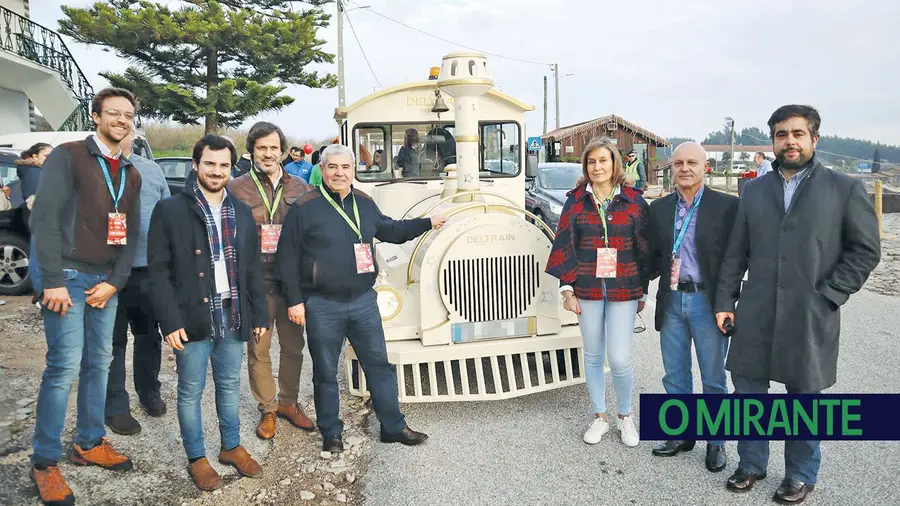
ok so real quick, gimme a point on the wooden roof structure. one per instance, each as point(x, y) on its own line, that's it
point(586, 126)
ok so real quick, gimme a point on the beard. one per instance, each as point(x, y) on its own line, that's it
point(212, 184)
point(802, 159)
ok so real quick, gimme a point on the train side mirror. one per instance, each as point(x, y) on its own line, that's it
point(531, 165)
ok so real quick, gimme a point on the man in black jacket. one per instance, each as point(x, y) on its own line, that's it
point(688, 234)
point(807, 237)
point(208, 292)
point(326, 261)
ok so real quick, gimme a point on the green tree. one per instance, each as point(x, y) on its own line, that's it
point(216, 61)
point(876, 161)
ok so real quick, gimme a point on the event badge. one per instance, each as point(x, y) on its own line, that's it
point(606, 262)
point(269, 237)
point(675, 274)
point(116, 229)
point(222, 285)
point(364, 261)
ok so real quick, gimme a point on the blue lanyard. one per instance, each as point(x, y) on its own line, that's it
point(109, 185)
point(684, 226)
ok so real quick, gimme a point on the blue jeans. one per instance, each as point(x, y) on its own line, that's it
point(226, 355)
point(689, 316)
point(608, 327)
point(801, 458)
point(79, 344)
point(328, 323)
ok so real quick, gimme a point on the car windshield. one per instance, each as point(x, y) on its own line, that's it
point(560, 178)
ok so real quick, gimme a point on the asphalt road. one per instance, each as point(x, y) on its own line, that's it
point(529, 450)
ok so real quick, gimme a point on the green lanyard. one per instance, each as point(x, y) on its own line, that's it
point(354, 226)
point(266, 197)
point(602, 211)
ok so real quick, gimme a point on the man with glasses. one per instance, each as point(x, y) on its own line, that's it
point(688, 233)
point(85, 224)
point(326, 262)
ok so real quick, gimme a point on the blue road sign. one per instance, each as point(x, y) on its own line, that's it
point(864, 165)
point(535, 144)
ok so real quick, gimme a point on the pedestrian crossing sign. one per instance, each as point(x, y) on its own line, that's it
point(535, 144)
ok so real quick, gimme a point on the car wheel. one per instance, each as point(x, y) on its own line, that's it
point(14, 270)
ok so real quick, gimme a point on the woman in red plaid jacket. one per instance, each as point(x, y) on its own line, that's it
point(600, 256)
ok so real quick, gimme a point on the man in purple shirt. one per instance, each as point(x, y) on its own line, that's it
point(688, 233)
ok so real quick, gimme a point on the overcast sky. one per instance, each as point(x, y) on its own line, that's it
point(675, 68)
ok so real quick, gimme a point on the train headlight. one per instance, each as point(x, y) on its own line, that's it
point(389, 302)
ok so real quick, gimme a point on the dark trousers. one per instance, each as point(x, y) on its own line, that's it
point(328, 323)
point(134, 310)
point(801, 458)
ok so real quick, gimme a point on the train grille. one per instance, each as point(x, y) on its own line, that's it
point(491, 288)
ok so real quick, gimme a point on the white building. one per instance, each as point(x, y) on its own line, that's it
point(717, 152)
point(36, 68)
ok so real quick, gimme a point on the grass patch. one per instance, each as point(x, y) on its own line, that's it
point(167, 139)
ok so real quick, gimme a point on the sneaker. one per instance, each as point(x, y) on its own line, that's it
point(628, 431)
point(52, 487)
point(102, 455)
point(595, 432)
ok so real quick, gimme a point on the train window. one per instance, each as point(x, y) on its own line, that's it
point(406, 151)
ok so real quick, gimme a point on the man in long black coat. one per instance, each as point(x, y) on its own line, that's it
point(809, 237)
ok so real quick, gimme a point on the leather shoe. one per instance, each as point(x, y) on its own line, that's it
point(154, 407)
point(124, 424)
point(792, 491)
point(296, 416)
point(742, 480)
point(204, 476)
point(716, 460)
point(333, 444)
point(242, 461)
point(672, 448)
point(407, 436)
point(266, 427)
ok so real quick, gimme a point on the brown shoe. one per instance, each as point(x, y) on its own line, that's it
point(295, 415)
point(102, 455)
point(266, 427)
point(205, 477)
point(52, 487)
point(242, 461)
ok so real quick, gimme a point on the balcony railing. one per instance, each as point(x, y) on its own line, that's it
point(41, 45)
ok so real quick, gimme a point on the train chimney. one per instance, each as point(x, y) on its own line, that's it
point(466, 77)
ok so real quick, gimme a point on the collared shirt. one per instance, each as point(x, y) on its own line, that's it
point(790, 187)
point(687, 252)
point(153, 189)
point(104, 149)
point(217, 217)
point(765, 167)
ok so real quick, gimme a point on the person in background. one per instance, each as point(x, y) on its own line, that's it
point(315, 175)
point(326, 263)
point(298, 166)
point(5, 204)
point(28, 168)
point(377, 161)
point(85, 225)
point(762, 163)
point(807, 238)
point(269, 191)
point(135, 310)
point(688, 232)
point(408, 156)
point(242, 166)
point(209, 293)
point(600, 256)
point(635, 174)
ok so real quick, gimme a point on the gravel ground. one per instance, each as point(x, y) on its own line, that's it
point(295, 473)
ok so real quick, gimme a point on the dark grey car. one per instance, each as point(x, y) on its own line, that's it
point(546, 193)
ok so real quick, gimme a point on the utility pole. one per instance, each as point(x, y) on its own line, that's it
point(545, 104)
point(556, 87)
point(340, 52)
point(731, 161)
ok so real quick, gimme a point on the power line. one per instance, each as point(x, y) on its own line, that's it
point(829, 153)
point(363, 51)
point(452, 42)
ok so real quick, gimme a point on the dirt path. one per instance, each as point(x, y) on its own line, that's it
point(295, 472)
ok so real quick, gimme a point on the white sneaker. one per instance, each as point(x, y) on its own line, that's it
point(628, 431)
point(595, 432)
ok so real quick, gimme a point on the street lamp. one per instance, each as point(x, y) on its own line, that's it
point(729, 121)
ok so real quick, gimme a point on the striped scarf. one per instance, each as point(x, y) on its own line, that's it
point(229, 232)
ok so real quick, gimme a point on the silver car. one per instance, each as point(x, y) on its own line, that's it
point(546, 193)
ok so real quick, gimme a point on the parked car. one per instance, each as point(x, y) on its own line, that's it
point(176, 169)
point(545, 193)
point(23, 141)
point(14, 235)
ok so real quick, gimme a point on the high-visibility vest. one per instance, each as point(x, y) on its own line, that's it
point(632, 169)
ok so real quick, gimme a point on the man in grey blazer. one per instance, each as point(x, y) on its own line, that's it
point(809, 237)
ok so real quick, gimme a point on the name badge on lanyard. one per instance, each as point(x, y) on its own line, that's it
point(270, 233)
point(607, 258)
point(362, 251)
point(116, 223)
point(678, 234)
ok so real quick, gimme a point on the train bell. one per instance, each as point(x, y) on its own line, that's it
point(439, 105)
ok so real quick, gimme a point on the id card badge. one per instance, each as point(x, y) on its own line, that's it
point(222, 285)
point(606, 262)
point(675, 274)
point(116, 229)
point(269, 238)
point(364, 261)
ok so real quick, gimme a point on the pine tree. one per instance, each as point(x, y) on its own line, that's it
point(876, 162)
point(216, 61)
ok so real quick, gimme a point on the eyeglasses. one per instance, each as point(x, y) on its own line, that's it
point(638, 328)
point(118, 114)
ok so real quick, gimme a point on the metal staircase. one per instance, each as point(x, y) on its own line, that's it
point(41, 45)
